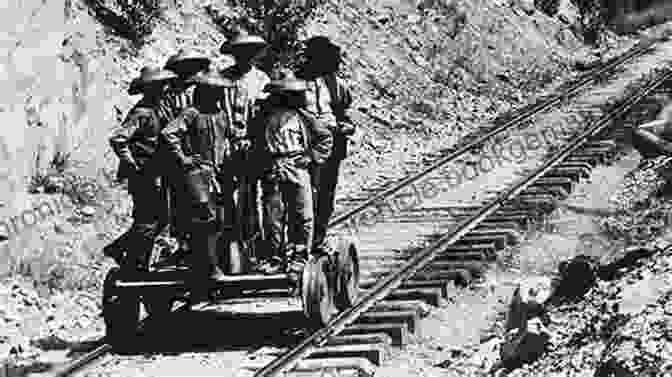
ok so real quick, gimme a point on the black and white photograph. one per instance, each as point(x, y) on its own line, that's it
point(325, 188)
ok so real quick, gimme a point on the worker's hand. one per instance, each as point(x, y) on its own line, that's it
point(188, 162)
point(303, 161)
point(242, 145)
point(346, 128)
point(133, 165)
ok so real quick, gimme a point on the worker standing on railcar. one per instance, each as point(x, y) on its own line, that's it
point(136, 143)
point(248, 91)
point(328, 98)
point(185, 64)
point(200, 141)
point(288, 142)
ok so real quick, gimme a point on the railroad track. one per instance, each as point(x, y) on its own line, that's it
point(471, 246)
point(503, 217)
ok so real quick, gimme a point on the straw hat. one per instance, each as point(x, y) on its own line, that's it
point(149, 75)
point(210, 78)
point(243, 39)
point(321, 45)
point(185, 59)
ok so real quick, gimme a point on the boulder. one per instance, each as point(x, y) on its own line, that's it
point(528, 301)
point(526, 6)
point(568, 13)
point(575, 278)
point(523, 346)
point(630, 259)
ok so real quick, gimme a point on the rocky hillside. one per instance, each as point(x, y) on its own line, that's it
point(421, 71)
point(424, 73)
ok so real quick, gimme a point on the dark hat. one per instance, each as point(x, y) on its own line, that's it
point(187, 59)
point(210, 78)
point(149, 75)
point(321, 44)
point(242, 39)
point(286, 83)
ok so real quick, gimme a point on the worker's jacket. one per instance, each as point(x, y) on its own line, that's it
point(241, 101)
point(203, 138)
point(175, 100)
point(282, 135)
point(136, 141)
point(328, 99)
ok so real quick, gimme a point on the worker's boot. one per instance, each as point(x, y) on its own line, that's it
point(139, 253)
point(117, 249)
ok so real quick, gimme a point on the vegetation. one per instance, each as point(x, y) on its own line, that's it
point(130, 19)
point(279, 22)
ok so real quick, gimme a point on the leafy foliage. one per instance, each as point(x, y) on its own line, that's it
point(278, 21)
point(550, 7)
point(594, 15)
point(130, 19)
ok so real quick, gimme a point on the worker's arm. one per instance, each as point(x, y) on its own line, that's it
point(136, 119)
point(321, 139)
point(173, 133)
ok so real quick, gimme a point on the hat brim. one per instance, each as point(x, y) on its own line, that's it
point(231, 48)
point(272, 88)
point(138, 86)
point(211, 81)
point(190, 64)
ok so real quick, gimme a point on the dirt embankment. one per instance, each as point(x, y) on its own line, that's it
point(424, 74)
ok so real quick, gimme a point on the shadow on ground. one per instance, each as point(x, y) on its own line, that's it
point(211, 331)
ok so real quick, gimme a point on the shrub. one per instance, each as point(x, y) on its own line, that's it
point(279, 22)
point(130, 19)
point(550, 7)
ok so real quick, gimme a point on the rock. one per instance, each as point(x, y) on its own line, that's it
point(630, 259)
point(63, 227)
point(636, 297)
point(549, 7)
point(487, 354)
point(567, 12)
point(526, 6)
point(413, 18)
point(523, 346)
point(613, 368)
point(87, 211)
point(528, 301)
point(576, 277)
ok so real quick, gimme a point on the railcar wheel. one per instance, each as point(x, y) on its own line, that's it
point(347, 275)
point(121, 310)
point(317, 295)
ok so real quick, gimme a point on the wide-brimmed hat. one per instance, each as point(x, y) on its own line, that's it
point(183, 59)
point(243, 39)
point(210, 78)
point(321, 44)
point(149, 76)
point(286, 83)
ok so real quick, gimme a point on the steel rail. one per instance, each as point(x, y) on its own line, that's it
point(425, 256)
point(98, 352)
point(83, 361)
point(588, 77)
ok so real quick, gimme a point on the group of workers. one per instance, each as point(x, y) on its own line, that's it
point(202, 141)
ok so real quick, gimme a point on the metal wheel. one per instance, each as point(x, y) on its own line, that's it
point(347, 275)
point(317, 296)
point(121, 311)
